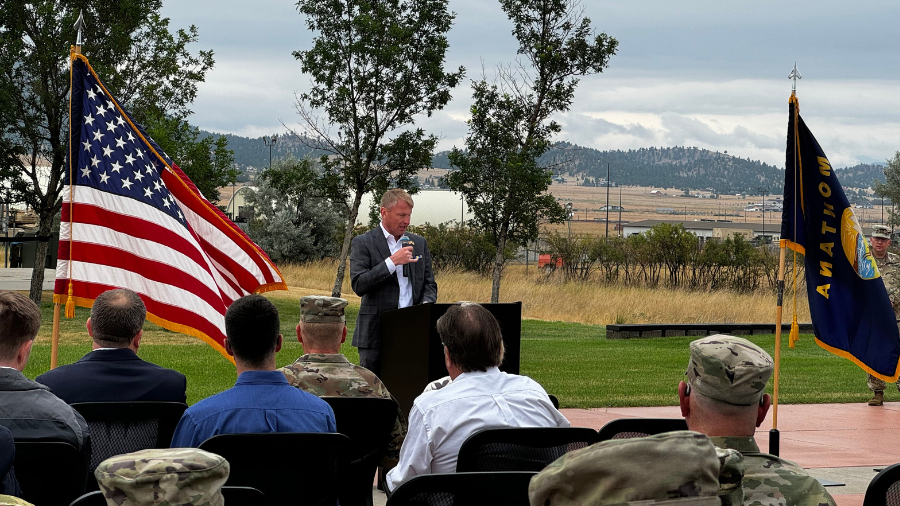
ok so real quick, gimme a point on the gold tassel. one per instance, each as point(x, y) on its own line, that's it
point(795, 333)
point(70, 303)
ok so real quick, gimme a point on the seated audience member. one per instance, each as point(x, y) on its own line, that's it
point(28, 409)
point(724, 397)
point(171, 477)
point(112, 372)
point(670, 468)
point(261, 400)
point(8, 483)
point(325, 372)
point(479, 397)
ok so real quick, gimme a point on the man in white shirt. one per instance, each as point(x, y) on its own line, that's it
point(479, 397)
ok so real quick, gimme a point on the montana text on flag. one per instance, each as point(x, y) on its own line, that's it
point(132, 219)
point(852, 316)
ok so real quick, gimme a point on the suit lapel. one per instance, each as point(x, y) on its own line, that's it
point(380, 242)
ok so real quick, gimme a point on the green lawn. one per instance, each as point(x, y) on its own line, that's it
point(573, 361)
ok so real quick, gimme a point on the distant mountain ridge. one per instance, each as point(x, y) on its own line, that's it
point(673, 167)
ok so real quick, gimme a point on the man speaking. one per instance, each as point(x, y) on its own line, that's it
point(389, 268)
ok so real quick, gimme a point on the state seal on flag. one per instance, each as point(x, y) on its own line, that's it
point(856, 247)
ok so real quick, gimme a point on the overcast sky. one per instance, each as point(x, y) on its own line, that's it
point(705, 73)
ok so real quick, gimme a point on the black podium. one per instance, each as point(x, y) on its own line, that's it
point(411, 350)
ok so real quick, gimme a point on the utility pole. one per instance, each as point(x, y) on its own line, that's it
point(764, 191)
point(620, 210)
point(607, 200)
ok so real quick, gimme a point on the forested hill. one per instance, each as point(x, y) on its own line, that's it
point(676, 167)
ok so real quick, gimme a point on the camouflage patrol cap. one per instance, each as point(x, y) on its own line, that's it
point(8, 500)
point(677, 467)
point(881, 231)
point(169, 477)
point(321, 309)
point(729, 369)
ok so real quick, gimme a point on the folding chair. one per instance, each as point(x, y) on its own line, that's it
point(520, 448)
point(234, 496)
point(50, 473)
point(125, 427)
point(624, 428)
point(368, 422)
point(290, 468)
point(884, 489)
point(464, 489)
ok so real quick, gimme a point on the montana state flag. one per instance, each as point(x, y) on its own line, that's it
point(852, 316)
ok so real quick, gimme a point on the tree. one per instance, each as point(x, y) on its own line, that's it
point(890, 188)
point(510, 127)
point(146, 67)
point(289, 225)
point(375, 65)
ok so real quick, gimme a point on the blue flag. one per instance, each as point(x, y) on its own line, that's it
point(852, 316)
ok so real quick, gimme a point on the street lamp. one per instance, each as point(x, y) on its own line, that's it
point(270, 142)
point(764, 191)
point(569, 215)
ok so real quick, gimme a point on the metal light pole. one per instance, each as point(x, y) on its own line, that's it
point(620, 210)
point(764, 191)
point(569, 218)
point(607, 200)
point(270, 142)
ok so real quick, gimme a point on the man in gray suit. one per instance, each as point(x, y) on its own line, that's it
point(387, 274)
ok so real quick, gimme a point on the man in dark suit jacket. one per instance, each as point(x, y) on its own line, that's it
point(379, 275)
point(112, 372)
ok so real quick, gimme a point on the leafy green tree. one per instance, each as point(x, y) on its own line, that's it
point(147, 67)
point(207, 161)
point(890, 188)
point(288, 224)
point(511, 125)
point(375, 65)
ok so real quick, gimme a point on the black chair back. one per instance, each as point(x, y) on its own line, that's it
point(625, 428)
point(520, 448)
point(464, 489)
point(234, 496)
point(290, 468)
point(368, 422)
point(884, 489)
point(125, 427)
point(50, 473)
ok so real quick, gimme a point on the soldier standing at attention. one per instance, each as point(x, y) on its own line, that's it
point(325, 372)
point(889, 267)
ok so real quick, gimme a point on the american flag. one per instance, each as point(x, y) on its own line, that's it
point(136, 221)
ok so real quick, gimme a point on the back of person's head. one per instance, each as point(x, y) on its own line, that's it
point(117, 316)
point(20, 320)
point(8, 500)
point(169, 477)
point(322, 322)
point(675, 467)
point(472, 337)
point(394, 195)
point(253, 328)
point(728, 369)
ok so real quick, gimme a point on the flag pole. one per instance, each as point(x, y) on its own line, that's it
point(774, 435)
point(54, 346)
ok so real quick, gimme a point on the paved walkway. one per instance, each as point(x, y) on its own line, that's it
point(20, 278)
point(843, 443)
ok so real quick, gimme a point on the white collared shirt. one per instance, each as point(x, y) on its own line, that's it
point(441, 420)
point(405, 286)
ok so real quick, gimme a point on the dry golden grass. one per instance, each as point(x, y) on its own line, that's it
point(573, 302)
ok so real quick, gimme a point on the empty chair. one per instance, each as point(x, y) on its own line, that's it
point(368, 422)
point(8, 483)
point(624, 428)
point(234, 496)
point(126, 427)
point(520, 448)
point(290, 468)
point(884, 489)
point(50, 473)
point(464, 489)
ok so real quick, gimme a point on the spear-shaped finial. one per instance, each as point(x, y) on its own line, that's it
point(79, 24)
point(795, 74)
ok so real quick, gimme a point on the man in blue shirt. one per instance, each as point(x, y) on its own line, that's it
point(262, 400)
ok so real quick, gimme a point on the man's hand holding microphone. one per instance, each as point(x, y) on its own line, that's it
point(404, 256)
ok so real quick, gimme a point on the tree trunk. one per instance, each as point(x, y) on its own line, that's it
point(345, 248)
point(499, 260)
point(40, 259)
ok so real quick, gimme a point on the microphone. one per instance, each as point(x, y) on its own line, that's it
point(404, 242)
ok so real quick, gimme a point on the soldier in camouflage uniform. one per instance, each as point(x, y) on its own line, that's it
point(724, 397)
point(889, 267)
point(681, 468)
point(167, 477)
point(325, 372)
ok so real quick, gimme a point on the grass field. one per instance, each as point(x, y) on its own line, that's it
point(571, 360)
